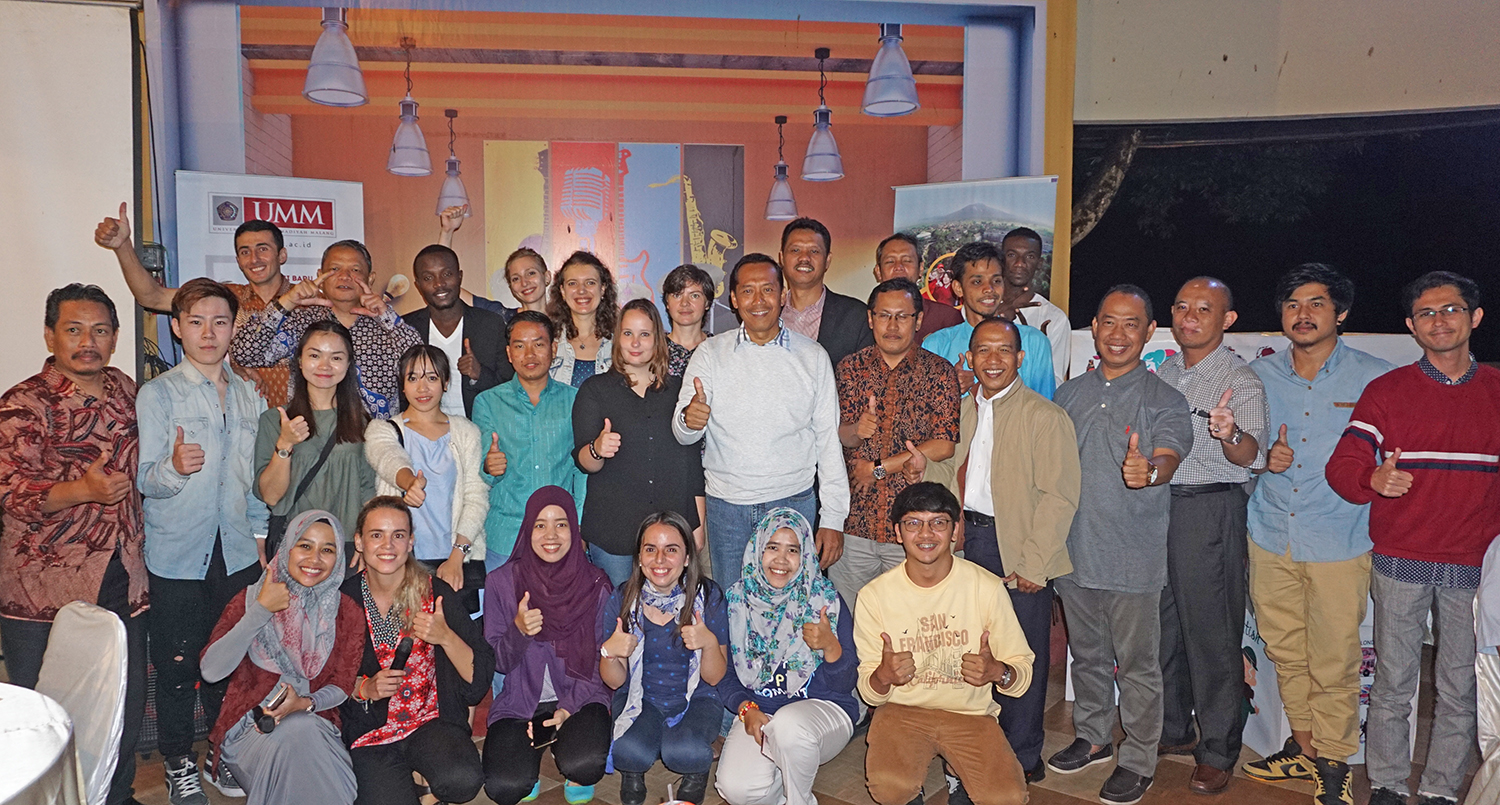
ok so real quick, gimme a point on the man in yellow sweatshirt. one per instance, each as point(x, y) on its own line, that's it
point(934, 639)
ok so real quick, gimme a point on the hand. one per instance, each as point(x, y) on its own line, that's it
point(830, 546)
point(356, 562)
point(1279, 458)
point(755, 721)
point(818, 634)
point(294, 703)
point(307, 293)
point(384, 684)
point(273, 596)
point(862, 475)
point(697, 636)
point(452, 570)
point(371, 304)
point(528, 620)
point(1137, 469)
point(966, 381)
point(468, 365)
point(252, 375)
point(494, 460)
point(432, 627)
point(293, 431)
point(1387, 481)
point(982, 668)
point(104, 486)
point(556, 721)
point(896, 667)
point(1022, 584)
point(416, 491)
point(622, 643)
point(451, 219)
point(187, 458)
point(916, 466)
point(260, 551)
point(607, 443)
point(869, 421)
point(114, 233)
point(1221, 418)
point(695, 415)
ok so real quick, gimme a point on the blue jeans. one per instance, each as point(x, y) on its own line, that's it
point(686, 748)
point(730, 526)
point(618, 568)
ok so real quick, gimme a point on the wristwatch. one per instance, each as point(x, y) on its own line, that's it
point(1008, 677)
point(283, 453)
point(1152, 475)
point(1236, 437)
point(466, 548)
point(879, 472)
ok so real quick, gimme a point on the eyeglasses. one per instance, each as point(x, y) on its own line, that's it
point(1447, 312)
point(935, 525)
point(899, 318)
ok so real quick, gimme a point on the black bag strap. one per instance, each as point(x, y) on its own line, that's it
point(313, 473)
point(400, 439)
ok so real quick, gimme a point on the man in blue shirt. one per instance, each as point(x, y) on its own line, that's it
point(978, 283)
point(205, 528)
point(1309, 548)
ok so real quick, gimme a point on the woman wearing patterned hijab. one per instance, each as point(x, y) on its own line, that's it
point(291, 628)
point(791, 645)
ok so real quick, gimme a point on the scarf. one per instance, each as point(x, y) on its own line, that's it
point(297, 640)
point(567, 591)
point(765, 624)
point(670, 603)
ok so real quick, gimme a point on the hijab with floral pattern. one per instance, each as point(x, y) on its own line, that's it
point(297, 640)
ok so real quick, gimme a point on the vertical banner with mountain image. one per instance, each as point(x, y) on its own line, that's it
point(945, 216)
point(713, 217)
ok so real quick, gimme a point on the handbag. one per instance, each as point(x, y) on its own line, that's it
point(276, 527)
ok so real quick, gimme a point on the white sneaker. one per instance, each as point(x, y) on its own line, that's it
point(182, 781)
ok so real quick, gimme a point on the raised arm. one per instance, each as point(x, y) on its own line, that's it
point(114, 234)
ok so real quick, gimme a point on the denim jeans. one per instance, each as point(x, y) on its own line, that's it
point(730, 526)
point(618, 568)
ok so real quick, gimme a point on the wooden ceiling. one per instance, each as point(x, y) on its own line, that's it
point(602, 67)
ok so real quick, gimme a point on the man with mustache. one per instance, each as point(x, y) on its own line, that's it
point(836, 321)
point(900, 257)
point(72, 515)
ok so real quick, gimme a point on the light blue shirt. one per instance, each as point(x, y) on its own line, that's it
point(184, 512)
point(1036, 369)
point(432, 522)
point(1297, 509)
point(537, 441)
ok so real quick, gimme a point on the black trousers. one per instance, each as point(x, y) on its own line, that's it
point(441, 751)
point(1020, 717)
point(1203, 624)
point(182, 615)
point(512, 767)
point(24, 643)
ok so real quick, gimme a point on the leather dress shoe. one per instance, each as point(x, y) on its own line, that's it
point(1208, 780)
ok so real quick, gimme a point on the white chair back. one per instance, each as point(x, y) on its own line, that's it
point(84, 669)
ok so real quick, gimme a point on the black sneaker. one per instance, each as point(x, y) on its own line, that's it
point(1430, 799)
point(1124, 787)
point(1037, 773)
point(219, 775)
point(1288, 764)
point(1334, 783)
point(1077, 757)
point(956, 793)
point(183, 787)
point(1386, 796)
point(632, 788)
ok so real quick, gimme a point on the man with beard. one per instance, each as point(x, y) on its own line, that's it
point(473, 339)
point(836, 321)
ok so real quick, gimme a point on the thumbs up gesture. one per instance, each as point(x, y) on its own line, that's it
point(468, 365)
point(695, 415)
point(916, 466)
point(697, 636)
point(416, 491)
point(273, 595)
point(102, 485)
point(187, 458)
point(966, 381)
point(432, 627)
point(293, 431)
point(607, 443)
point(494, 460)
point(1387, 481)
point(982, 668)
point(1136, 469)
point(1279, 458)
point(114, 233)
point(622, 643)
point(528, 620)
point(869, 421)
point(1221, 418)
point(818, 635)
point(896, 667)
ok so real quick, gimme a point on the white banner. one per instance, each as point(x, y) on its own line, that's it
point(1398, 349)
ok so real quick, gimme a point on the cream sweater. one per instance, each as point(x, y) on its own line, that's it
point(471, 499)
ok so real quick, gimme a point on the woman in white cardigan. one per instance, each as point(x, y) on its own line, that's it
point(432, 461)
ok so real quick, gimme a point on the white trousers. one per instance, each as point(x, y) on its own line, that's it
point(798, 739)
point(1485, 789)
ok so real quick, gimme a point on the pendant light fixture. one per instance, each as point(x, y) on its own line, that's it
point(333, 74)
point(890, 91)
point(780, 206)
point(822, 163)
point(453, 193)
point(409, 148)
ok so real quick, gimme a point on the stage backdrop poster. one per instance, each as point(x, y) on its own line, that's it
point(945, 216)
point(313, 214)
point(653, 216)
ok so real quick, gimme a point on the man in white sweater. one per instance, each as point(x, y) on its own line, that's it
point(765, 400)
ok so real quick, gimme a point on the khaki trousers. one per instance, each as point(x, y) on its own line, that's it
point(903, 741)
point(1309, 615)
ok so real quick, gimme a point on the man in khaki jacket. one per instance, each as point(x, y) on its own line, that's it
point(1016, 464)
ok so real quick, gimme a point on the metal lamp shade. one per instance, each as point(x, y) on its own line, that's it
point(453, 193)
point(409, 148)
point(822, 163)
point(890, 91)
point(780, 206)
point(333, 74)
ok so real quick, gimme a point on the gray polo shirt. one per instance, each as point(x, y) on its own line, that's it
point(1119, 536)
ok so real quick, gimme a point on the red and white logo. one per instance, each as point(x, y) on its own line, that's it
point(290, 213)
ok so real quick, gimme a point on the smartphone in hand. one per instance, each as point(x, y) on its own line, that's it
point(542, 735)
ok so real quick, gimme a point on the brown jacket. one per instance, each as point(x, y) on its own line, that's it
point(1034, 480)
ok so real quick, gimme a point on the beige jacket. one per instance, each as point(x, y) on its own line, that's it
point(1034, 480)
point(471, 495)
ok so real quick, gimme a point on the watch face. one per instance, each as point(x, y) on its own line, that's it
point(879, 472)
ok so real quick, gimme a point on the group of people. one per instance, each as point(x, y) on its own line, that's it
point(340, 528)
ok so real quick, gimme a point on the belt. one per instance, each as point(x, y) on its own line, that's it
point(1189, 490)
point(974, 518)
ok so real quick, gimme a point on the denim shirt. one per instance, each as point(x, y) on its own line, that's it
point(1297, 509)
point(184, 512)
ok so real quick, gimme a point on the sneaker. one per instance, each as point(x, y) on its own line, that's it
point(1333, 783)
point(1077, 757)
point(574, 793)
point(1288, 764)
point(183, 787)
point(1124, 787)
point(1433, 799)
point(1386, 796)
point(632, 788)
point(536, 791)
point(957, 795)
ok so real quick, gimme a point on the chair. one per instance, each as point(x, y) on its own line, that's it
point(84, 670)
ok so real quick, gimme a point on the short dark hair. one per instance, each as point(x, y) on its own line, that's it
point(261, 226)
point(969, 254)
point(754, 258)
point(1129, 290)
point(1027, 233)
point(996, 320)
point(78, 292)
point(812, 224)
point(926, 497)
point(198, 289)
point(535, 317)
point(677, 281)
point(904, 238)
point(419, 352)
point(438, 251)
point(355, 245)
point(1340, 288)
point(1467, 288)
point(1228, 294)
point(898, 285)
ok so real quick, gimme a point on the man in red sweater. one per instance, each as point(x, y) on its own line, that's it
point(1423, 449)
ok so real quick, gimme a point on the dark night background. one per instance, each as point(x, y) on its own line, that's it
point(1399, 206)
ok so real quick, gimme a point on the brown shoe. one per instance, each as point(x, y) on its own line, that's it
point(1208, 780)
